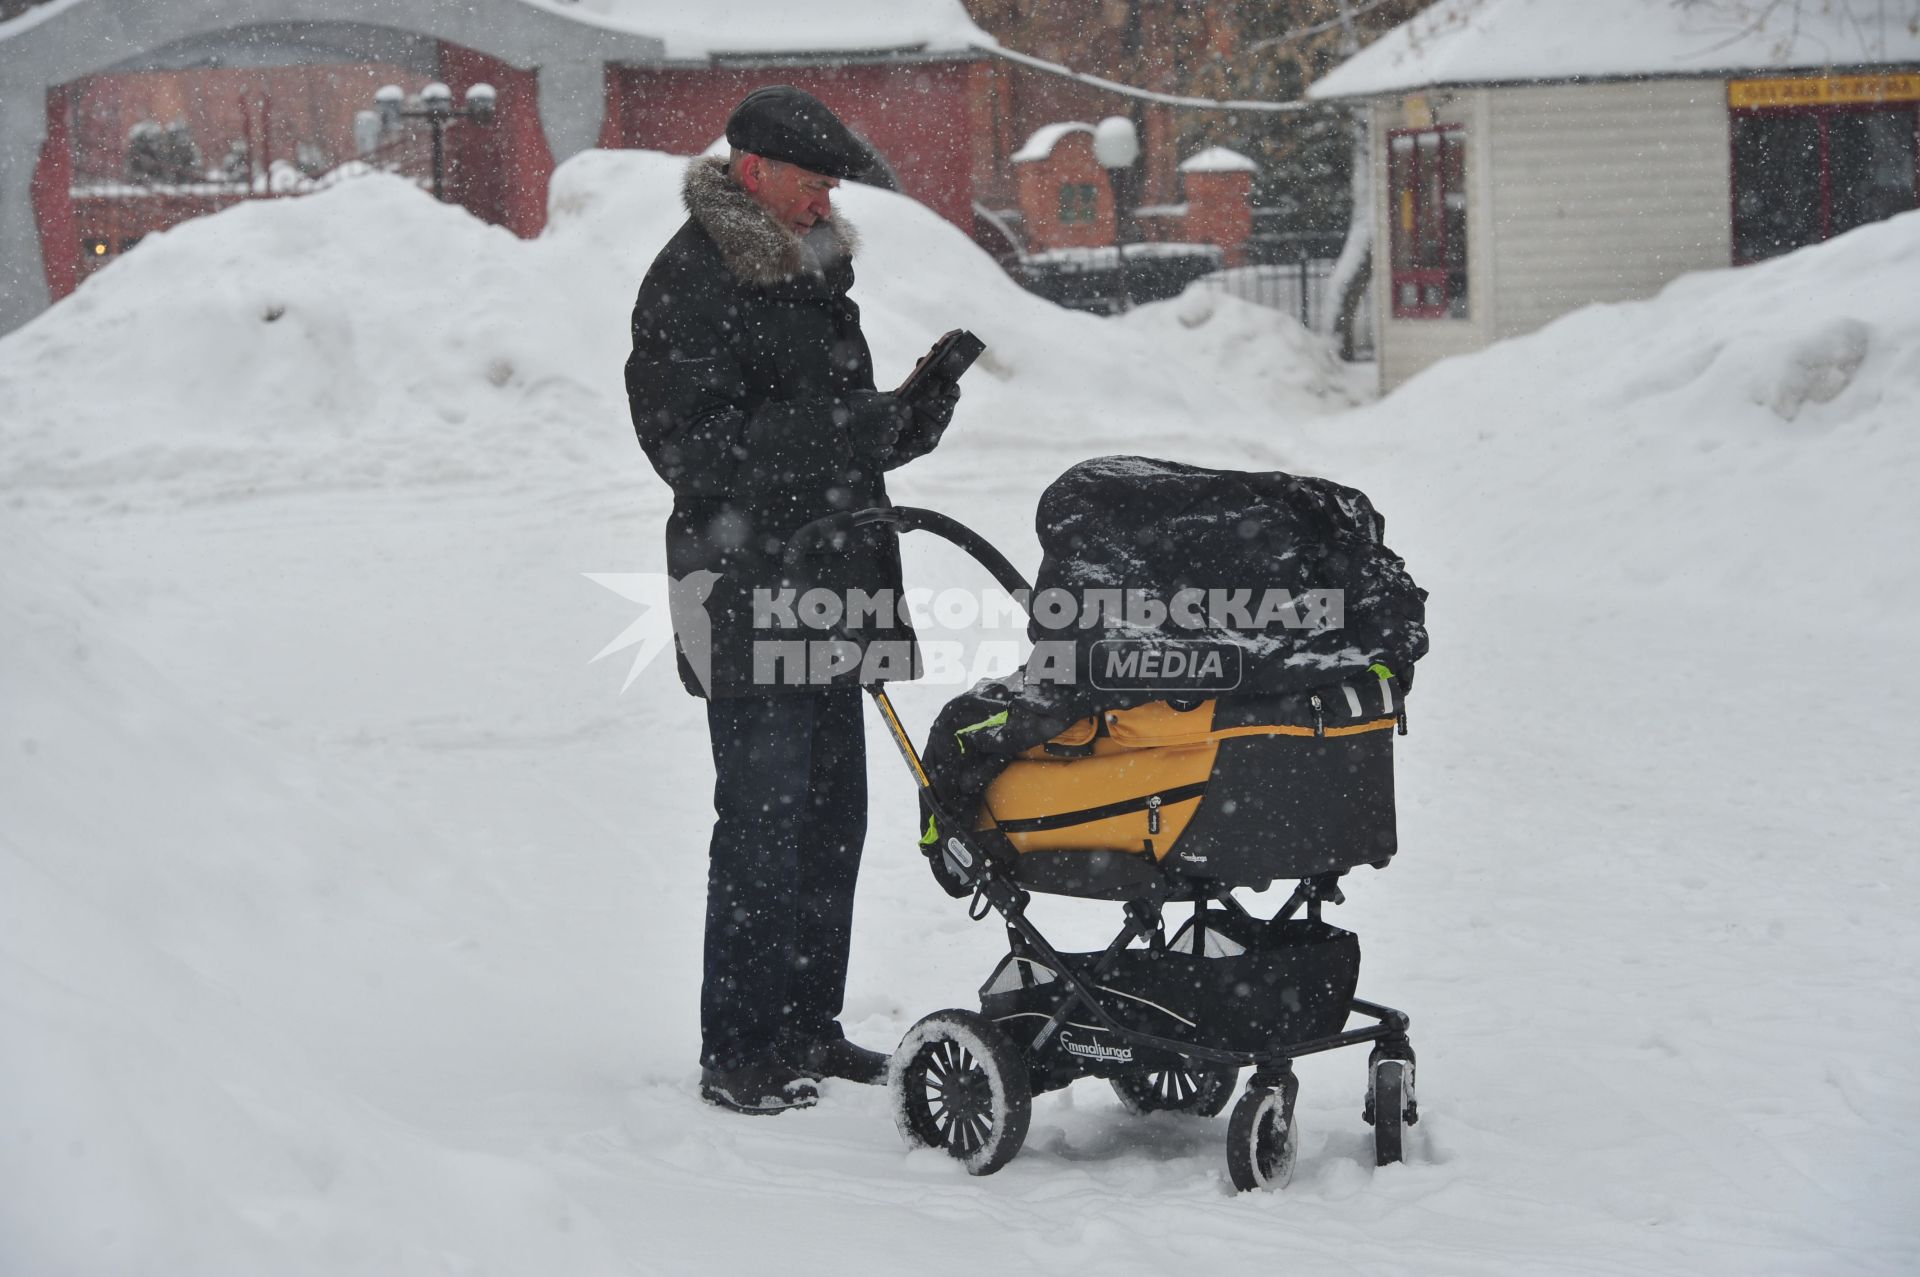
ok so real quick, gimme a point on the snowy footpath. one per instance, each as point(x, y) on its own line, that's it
point(349, 911)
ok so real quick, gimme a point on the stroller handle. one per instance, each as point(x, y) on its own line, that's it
point(906, 518)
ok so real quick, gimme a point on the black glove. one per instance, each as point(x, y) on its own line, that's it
point(874, 422)
point(933, 411)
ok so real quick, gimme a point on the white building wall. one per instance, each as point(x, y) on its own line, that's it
point(1604, 192)
point(1580, 193)
point(1406, 346)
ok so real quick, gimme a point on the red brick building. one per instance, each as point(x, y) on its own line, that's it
point(269, 98)
point(1219, 205)
point(925, 115)
point(1067, 200)
point(277, 86)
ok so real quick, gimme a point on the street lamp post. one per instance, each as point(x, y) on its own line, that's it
point(434, 104)
point(1116, 146)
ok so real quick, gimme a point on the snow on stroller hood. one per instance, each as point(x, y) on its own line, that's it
point(1291, 572)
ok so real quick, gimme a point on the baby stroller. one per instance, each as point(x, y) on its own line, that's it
point(1166, 800)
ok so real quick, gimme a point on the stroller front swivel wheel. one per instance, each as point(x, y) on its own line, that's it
point(1262, 1142)
point(1196, 1089)
point(958, 1083)
point(1389, 1106)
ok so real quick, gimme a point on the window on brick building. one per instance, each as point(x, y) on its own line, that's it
point(1079, 203)
point(1427, 187)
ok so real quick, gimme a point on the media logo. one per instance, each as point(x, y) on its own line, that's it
point(1172, 666)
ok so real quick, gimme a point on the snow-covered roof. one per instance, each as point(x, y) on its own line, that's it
point(1045, 138)
point(1218, 159)
point(21, 22)
point(719, 27)
point(1498, 41)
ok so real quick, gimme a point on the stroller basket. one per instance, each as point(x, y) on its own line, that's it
point(1251, 985)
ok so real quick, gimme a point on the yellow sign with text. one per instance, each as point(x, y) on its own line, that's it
point(1826, 90)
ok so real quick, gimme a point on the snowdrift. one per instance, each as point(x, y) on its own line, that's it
point(1745, 438)
point(365, 336)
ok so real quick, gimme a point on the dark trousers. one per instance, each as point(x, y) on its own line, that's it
point(790, 816)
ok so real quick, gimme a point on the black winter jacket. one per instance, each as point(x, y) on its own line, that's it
point(751, 388)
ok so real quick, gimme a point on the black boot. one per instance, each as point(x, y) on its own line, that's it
point(769, 1087)
point(837, 1057)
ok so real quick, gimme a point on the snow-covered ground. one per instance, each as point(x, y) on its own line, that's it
point(1509, 41)
point(349, 914)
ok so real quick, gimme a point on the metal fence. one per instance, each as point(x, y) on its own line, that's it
point(1298, 288)
point(1093, 279)
point(1090, 279)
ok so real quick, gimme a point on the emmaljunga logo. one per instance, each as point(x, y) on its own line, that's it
point(1096, 1050)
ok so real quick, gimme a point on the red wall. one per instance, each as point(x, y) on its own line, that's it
point(53, 199)
point(942, 126)
point(1220, 211)
point(500, 171)
point(1020, 101)
point(1219, 206)
point(1071, 163)
point(918, 115)
point(119, 224)
point(279, 107)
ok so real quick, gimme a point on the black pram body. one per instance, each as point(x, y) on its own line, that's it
point(1094, 785)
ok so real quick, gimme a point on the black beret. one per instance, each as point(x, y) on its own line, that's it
point(785, 123)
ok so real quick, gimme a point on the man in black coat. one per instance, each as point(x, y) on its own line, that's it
point(752, 392)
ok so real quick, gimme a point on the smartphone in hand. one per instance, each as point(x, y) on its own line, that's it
point(950, 357)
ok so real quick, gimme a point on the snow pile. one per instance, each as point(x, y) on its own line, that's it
point(1661, 765)
point(393, 339)
point(349, 915)
point(1495, 41)
point(193, 932)
point(1754, 428)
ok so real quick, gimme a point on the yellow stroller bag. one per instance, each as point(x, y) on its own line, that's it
point(1243, 791)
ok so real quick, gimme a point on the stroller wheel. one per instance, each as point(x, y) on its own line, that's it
point(958, 1083)
point(1197, 1089)
point(1387, 1108)
point(1261, 1140)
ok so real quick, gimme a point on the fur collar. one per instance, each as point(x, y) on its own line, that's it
point(755, 246)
